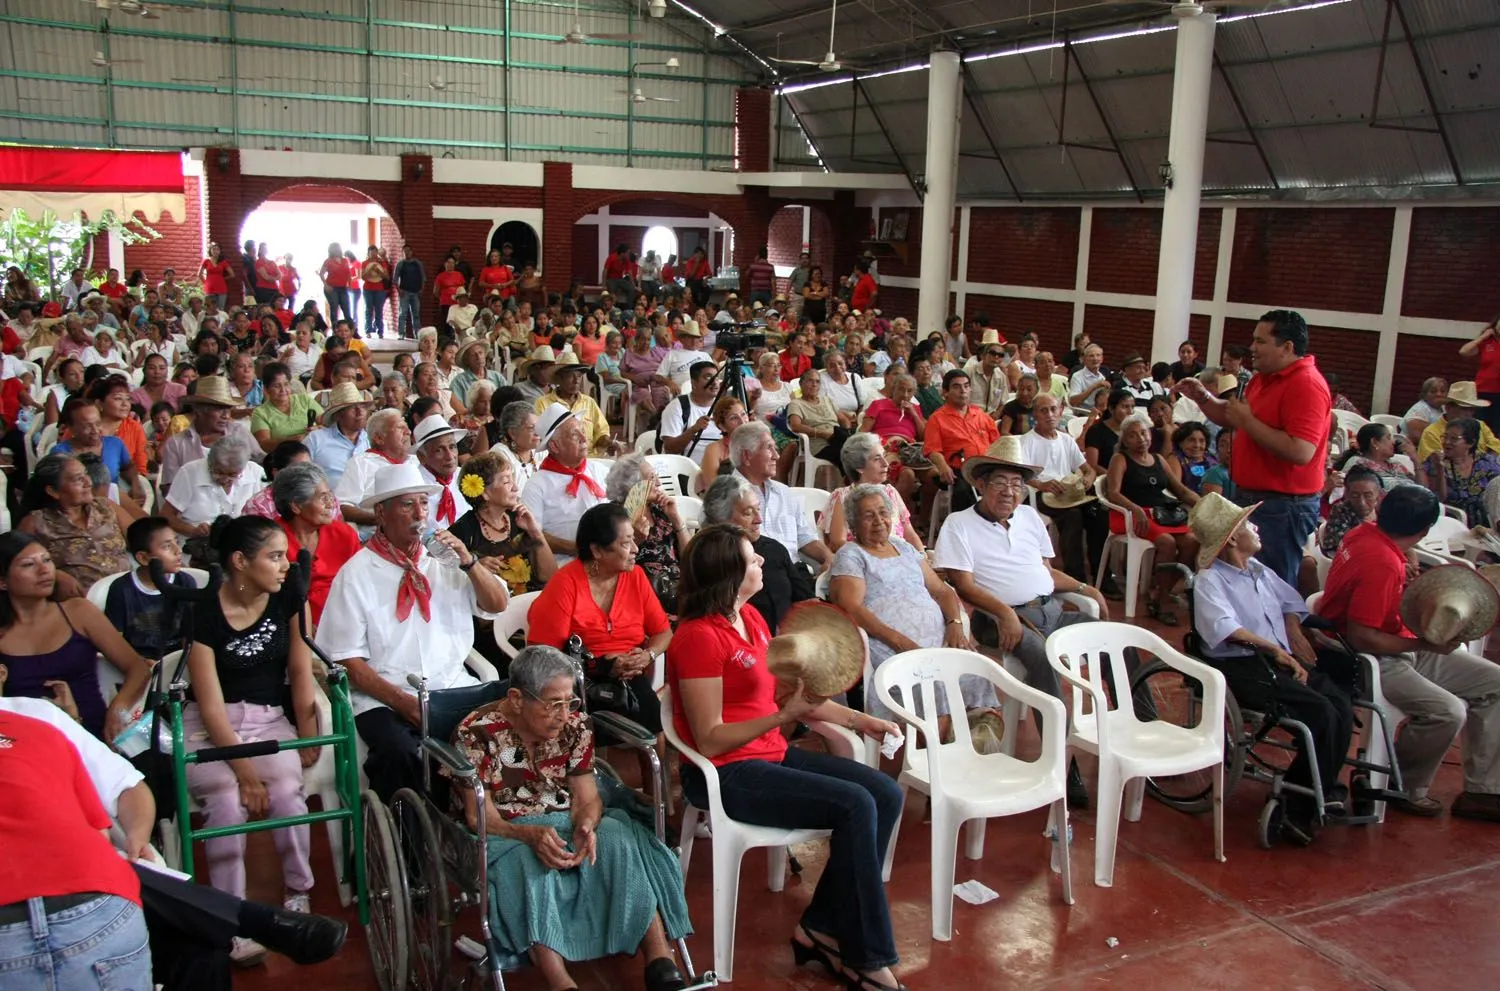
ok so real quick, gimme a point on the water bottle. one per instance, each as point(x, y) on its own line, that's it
point(441, 552)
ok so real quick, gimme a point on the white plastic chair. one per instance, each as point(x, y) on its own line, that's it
point(1130, 750)
point(646, 443)
point(39, 355)
point(47, 441)
point(810, 465)
point(1350, 422)
point(674, 471)
point(965, 786)
point(1136, 549)
point(4, 508)
point(732, 839)
point(1391, 420)
point(690, 508)
point(515, 619)
point(816, 503)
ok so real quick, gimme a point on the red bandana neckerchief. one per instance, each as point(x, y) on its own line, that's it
point(447, 509)
point(387, 457)
point(579, 476)
point(414, 587)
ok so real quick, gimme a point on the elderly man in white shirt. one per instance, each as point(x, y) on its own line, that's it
point(390, 444)
point(997, 555)
point(676, 366)
point(436, 444)
point(784, 518)
point(567, 485)
point(393, 611)
point(1058, 458)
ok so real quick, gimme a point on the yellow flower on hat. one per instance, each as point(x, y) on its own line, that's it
point(472, 486)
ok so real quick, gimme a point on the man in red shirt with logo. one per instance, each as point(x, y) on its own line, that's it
point(1439, 687)
point(1281, 440)
point(617, 276)
point(865, 289)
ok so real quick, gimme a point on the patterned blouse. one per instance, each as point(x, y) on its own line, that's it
point(1465, 493)
point(657, 554)
point(525, 783)
point(87, 552)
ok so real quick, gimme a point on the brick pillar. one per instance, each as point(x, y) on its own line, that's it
point(224, 199)
point(558, 216)
point(415, 222)
point(752, 130)
point(751, 230)
point(851, 225)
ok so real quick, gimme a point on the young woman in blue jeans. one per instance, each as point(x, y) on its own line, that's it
point(725, 706)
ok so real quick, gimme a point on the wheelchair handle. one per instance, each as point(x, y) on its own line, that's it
point(173, 591)
point(417, 681)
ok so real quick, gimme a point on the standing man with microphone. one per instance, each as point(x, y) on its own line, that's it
point(1281, 446)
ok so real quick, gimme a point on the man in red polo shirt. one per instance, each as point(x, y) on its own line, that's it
point(1281, 444)
point(865, 288)
point(1439, 687)
point(956, 431)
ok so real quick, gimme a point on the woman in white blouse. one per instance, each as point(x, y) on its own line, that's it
point(104, 351)
point(842, 388)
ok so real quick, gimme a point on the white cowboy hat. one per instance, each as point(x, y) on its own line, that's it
point(1074, 493)
point(1213, 521)
point(541, 355)
point(1466, 394)
point(397, 480)
point(690, 329)
point(432, 428)
point(211, 390)
point(551, 418)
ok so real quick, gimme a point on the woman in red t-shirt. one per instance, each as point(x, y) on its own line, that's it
point(335, 275)
point(697, 271)
point(447, 283)
point(865, 289)
point(215, 272)
point(376, 273)
point(609, 603)
point(289, 282)
point(725, 705)
point(1487, 379)
point(497, 277)
point(267, 275)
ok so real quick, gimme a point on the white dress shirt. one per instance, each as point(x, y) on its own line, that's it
point(1058, 457)
point(546, 495)
point(359, 621)
point(784, 518)
point(185, 448)
point(199, 499)
point(461, 505)
point(672, 425)
point(1082, 380)
point(1009, 562)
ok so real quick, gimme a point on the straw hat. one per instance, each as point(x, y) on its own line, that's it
point(1465, 394)
point(568, 362)
point(398, 480)
point(550, 419)
point(477, 342)
point(1006, 452)
point(1074, 493)
point(431, 428)
point(819, 644)
point(342, 396)
point(990, 336)
point(690, 329)
point(1213, 521)
point(1225, 383)
point(1450, 602)
point(541, 355)
point(211, 390)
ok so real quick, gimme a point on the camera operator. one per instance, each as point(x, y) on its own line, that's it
point(686, 425)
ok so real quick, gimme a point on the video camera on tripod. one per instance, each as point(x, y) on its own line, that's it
point(737, 338)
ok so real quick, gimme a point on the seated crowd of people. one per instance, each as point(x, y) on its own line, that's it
point(981, 481)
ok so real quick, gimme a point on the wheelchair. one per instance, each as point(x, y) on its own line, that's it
point(425, 865)
point(1258, 745)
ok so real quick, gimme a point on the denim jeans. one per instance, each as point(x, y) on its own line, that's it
point(100, 945)
point(810, 790)
point(1284, 522)
point(337, 299)
point(409, 314)
point(375, 312)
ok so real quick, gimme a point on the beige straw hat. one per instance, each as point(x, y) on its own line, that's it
point(819, 644)
point(1213, 521)
point(1074, 493)
point(1450, 602)
point(1006, 452)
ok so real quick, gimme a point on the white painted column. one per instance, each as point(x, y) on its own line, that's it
point(961, 288)
point(943, 112)
point(1179, 222)
point(1081, 272)
point(807, 228)
point(116, 247)
point(1390, 312)
point(1229, 216)
point(606, 247)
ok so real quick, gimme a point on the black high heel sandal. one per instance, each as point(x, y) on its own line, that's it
point(864, 982)
point(818, 952)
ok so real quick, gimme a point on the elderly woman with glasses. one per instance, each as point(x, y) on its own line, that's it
point(306, 507)
point(866, 463)
point(569, 879)
point(887, 587)
point(216, 485)
point(660, 535)
point(734, 501)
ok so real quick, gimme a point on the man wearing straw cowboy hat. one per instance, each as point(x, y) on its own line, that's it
point(395, 610)
point(567, 391)
point(209, 403)
point(1281, 445)
point(1250, 622)
point(997, 555)
point(1463, 403)
point(343, 433)
point(533, 374)
point(567, 484)
point(1418, 632)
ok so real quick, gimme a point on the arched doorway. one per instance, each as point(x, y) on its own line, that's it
point(306, 220)
point(523, 240)
point(667, 226)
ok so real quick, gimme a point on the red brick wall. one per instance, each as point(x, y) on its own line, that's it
point(1123, 249)
point(317, 194)
point(1330, 258)
point(1349, 354)
point(784, 236)
point(1206, 262)
point(1122, 331)
point(752, 130)
point(1450, 267)
point(588, 267)
point(558, 216)
point(894, 302)
point(470, 194)
point(633, 237)
point(1024, 246)
point(1419, 358)
point(181, 243)
point(656, 208)
point(1050, 321)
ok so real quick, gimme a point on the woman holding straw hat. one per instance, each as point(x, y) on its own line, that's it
point(729, 707)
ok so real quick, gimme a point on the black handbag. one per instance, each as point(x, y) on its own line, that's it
point(602, 690)
point(1172, 514)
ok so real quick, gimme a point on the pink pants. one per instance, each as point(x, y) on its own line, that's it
point(216, 786)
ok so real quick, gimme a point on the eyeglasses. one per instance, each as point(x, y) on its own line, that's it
point(559, 707)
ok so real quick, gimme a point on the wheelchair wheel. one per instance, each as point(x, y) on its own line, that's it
point(389, 930)
point(427, 883)
point(1270, 823)
point(1162, 692)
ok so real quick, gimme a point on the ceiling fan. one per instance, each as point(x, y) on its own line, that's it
point(578, 36)
point(636, 96)
point(830, 62)
point(132, 7)
point(104, 61)
point(438, 84)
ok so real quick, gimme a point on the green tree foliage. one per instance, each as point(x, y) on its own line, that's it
point(47, 250)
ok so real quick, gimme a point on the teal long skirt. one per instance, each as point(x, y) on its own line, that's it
point(591, 911)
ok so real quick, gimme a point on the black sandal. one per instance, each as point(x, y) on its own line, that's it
point(864, 982)
point(819, 951)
